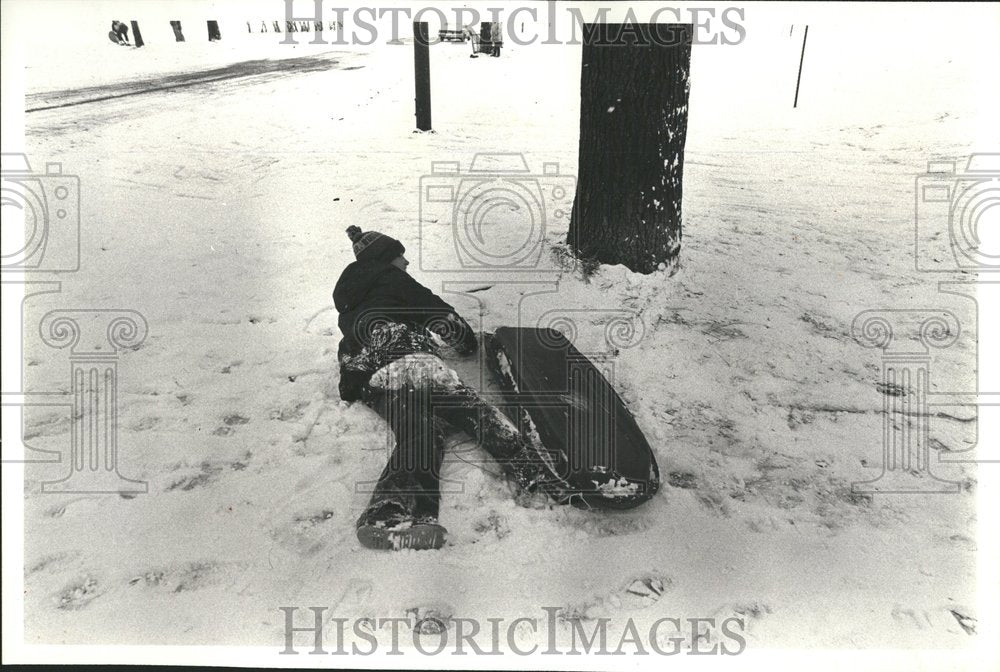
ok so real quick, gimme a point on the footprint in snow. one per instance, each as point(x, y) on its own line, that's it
point(209, 472)
point(355, 598)
point(954, 619)
point(290, 412)
point(230, 366)
point(181, 578)
point(682, 479)
point(638, 593)
point(57, 510)
point(495, 523)
point(79, 594)
point(619, 525)
point(51, 561)
point(145, 423)
point(891, 389)
point(430, 619)
point(307, 534)
point(230, 423)
point(643, 592)
point(739, 618)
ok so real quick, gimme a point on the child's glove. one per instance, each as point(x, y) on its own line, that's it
point(457, 333)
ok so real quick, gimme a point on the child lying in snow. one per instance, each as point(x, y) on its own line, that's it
point(389, 361)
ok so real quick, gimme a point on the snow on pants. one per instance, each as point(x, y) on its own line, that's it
point(419, 396)
point(411, 475)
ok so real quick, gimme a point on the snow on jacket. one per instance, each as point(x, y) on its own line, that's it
point(386, 314)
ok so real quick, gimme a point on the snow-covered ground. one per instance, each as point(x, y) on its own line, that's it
point(218, 211)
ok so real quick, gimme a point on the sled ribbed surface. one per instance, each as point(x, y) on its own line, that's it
point(562, 398)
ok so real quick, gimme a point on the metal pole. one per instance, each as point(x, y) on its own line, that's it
point(422, 75)
point(801, 58)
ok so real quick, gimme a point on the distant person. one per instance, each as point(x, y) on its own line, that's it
point(120, 31)
point(496, 37)
point(113, 34)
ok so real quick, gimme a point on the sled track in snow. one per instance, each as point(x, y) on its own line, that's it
point(51, 100)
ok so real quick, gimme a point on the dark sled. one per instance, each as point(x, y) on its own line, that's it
point(557, 395)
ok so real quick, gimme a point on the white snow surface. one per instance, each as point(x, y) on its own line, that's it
point(218, 211)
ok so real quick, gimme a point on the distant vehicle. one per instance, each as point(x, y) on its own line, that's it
point(488, 41)
point(448, 35)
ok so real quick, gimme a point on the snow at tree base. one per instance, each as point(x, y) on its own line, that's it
point(217, 210)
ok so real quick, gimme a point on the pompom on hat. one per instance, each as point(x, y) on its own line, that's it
point(374, 246)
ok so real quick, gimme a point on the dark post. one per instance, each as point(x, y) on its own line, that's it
point(136, 35)
point(422, 75)
point(178, 35)
point(802, 57)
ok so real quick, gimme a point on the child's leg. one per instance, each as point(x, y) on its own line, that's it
point(527, 463)
point(403, 509)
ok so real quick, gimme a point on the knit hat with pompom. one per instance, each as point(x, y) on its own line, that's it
point(374, 246)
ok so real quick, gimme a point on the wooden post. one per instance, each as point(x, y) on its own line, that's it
point(178, 34)
point(422, 75)
point(136, 35)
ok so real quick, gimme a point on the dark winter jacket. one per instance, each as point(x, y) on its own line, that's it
point(369, 293)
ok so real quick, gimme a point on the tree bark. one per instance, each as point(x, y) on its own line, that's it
point(633, 123)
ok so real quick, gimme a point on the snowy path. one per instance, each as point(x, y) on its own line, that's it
point(227, 234)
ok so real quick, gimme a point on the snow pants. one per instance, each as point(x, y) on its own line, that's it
point(419, 397)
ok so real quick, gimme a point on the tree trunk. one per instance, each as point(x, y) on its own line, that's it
point(633, 124)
